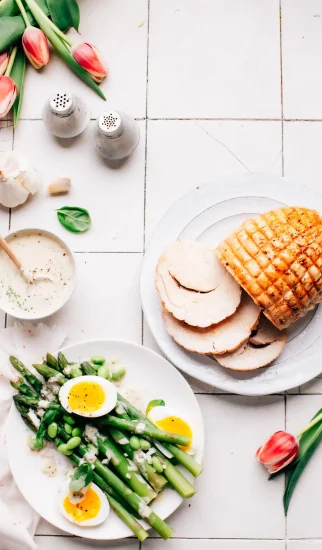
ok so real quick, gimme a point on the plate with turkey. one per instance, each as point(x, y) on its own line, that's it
point(232, 281)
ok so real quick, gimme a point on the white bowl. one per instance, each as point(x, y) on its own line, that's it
point(27, 315)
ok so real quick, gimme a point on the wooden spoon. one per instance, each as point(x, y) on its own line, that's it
point(30, 279)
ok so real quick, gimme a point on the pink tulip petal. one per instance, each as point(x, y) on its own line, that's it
point(8, 94)
point(88, 57)
point(4, 60)
point(35, 45)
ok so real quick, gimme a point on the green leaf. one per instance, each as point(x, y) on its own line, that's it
point(311, 445)
point(64, 13)
point(11, 29)
point(82, 477)
point(17, 74)
point(74, 219)
point(8, 8)
point(155, 403)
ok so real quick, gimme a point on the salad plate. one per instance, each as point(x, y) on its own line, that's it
point(148, 376)
point(208, 215)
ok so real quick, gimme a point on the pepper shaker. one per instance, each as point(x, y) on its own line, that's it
point(115, 135)
point(65, 115)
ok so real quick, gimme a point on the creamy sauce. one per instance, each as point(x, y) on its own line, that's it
point(41, 255)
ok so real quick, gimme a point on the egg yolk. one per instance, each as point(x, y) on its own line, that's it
point(86, 509)
point(175, 425)
point(86, 397)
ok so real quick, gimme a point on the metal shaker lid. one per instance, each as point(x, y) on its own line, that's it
point(110, 123)
point(62, 104)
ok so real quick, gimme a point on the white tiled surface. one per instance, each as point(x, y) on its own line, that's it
point(212, 59)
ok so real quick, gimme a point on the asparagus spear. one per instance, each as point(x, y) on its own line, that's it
point(172, 474)
point(156, 480)
point(23, 388)
point(136, 502)
point(48, 372)
point(52, 361)
point(112, 496)
point(88, 369)
point(183, 458)
point(31, 378)
point(142, 427)
point(125, 469)
point(62, 361)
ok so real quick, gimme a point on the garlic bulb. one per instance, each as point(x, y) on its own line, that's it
point(17, 179)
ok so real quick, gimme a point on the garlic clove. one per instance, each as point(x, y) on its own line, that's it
point(17, 180)
point(59, 186)
point(12, 195)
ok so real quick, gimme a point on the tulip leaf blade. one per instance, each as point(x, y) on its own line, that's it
point(64, 13)
point(11, 29)
point(310, 444)
point(17, 74)
point(8, 8)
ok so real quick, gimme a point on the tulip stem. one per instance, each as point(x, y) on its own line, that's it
point(59, 32)
point(11, 61)
point(313, 422)
point(61, 48)
point(23, 13)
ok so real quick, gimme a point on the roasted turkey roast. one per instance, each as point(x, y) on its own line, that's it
point(277, 258)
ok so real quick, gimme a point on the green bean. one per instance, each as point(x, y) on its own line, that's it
point(135, 442)
point(145, 444)
point(63, 449)
point(75, 371)
point(118, 374)
point(69, 419)
point(103, 371)
point(77, 432)
point(68, 429)
point(52, 430)
point(73, 443)
point(98, 360)
point(157, 465)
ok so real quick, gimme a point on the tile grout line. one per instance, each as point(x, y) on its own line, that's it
point(146, 150)
point(282, 90)
point(219, 119)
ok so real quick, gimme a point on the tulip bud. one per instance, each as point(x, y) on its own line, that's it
point(8, 94)
point(278, 451)
point(4, 60)
point(35, 45)
point(88, 57)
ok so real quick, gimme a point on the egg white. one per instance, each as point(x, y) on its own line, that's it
point(160, 413)
point(102, 514)
point(107, 387)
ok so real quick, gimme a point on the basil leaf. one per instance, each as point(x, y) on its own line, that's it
point(8, 7)
point(74, 219)
point(82, 477)
point(64, 13)
point(11, 29)
point(17, 74)
point(155, 403)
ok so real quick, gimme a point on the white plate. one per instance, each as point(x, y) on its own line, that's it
point(209, 214)
point(147, 372)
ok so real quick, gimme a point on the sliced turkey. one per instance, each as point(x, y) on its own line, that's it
point(266, 333)
point(221, 338)
point(193, 265)
point(201, 309)
point(249, 357)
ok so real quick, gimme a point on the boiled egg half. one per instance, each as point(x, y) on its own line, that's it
point(89, 396)
point(87, 507)
point(170, 420)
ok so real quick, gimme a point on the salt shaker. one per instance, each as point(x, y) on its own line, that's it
point(65, 115)
point(115, 135)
